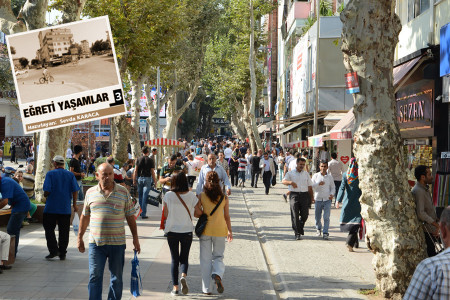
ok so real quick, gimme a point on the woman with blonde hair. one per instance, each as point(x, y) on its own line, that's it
point(212, 241)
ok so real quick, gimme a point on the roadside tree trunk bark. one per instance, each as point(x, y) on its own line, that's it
point(370, 33)
point(238, 127)
point(152, 107)
point(246, 119)
point(122, 133)
point(136, 93)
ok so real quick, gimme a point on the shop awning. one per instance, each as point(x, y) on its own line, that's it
point(343, 129)
point(297, 144)
point(289, 128)
point(262, 128)
point(317, 140)
point(165, 142)
point(333, 118)
point(402, 72)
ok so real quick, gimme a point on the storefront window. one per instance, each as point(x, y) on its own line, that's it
point(417, 153)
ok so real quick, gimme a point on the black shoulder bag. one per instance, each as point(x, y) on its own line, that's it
point(201, 223)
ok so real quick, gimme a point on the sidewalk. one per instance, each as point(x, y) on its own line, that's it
point(306, 269)
point(311, 268)
point(33, 277)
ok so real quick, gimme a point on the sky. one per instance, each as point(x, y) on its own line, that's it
point(91, 30)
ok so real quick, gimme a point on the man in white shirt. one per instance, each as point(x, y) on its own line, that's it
point(335, 169)
point(227, 152)
point(323, 185)
point(301, 195)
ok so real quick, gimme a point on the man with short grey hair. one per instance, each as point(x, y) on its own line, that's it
point(431, 280)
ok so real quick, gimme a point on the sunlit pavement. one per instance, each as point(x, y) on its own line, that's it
point(310, 268)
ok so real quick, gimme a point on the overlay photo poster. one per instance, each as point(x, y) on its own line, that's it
point(66, 74)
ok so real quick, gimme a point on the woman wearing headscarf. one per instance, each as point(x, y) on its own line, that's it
point(218, 227)
point(351, 208)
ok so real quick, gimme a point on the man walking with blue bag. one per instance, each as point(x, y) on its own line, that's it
point(107, 205)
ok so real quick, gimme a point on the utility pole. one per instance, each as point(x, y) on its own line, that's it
point(157, 102)
point(157, 113)
point(316, 81)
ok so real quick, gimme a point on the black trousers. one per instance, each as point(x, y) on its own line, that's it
point(180, 245)
point(431, 250)
point(255, 175)
point(337, 185)
point(299, 203)
point(267, 180)
point(234, 176)
point(352, 236)
point(191, 180)
point(49, 222)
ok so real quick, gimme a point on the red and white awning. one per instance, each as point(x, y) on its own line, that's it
point(165, 142)
point(343, 129)
point(298, 144)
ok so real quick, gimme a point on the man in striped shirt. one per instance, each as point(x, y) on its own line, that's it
point(106, 207)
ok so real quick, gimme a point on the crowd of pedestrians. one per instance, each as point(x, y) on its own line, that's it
point(213, 168)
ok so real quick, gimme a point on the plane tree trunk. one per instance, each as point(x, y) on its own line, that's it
point(370, 34)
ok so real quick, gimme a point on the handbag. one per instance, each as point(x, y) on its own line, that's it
point(154, 197)
point(136, 288)
point(203, 220)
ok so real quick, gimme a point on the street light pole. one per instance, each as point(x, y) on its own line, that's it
point(316, 80)
point(157, 102)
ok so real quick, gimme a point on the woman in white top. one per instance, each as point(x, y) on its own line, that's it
point(193, 170)
point(179, 206)
point(248, 156)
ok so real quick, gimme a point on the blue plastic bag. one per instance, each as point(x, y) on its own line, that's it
point(136, 281)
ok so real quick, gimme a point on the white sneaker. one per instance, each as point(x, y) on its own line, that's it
point(184, 286)
point(318, 232)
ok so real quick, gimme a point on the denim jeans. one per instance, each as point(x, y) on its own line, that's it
point(211, 259)
point(180, 245)
point(281, 174)
point(80, 192)
point(97, 260)
point(14, 224)
point(144, 185)
point(324, 205)
point(337, 185)
point(241, 175)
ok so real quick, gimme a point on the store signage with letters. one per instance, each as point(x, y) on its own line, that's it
point(414, 106)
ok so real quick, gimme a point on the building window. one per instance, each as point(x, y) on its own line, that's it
point(417, 7)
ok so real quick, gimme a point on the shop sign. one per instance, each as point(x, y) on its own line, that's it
point(415, 110)
point(220, 121)
point(341, 135)
point(444, 50)
point(351, 83)
point(445, 155)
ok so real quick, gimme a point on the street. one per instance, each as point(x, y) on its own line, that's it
point(264, 261)
point(90, 73)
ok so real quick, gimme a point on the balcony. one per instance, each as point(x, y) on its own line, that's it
point(299, 10)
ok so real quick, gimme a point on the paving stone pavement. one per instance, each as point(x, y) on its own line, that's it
point(311, 268)
point(308, 269)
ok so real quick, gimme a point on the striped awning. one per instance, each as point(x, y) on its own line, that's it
point(317, 140)
point(165, 142)
point(297, 144)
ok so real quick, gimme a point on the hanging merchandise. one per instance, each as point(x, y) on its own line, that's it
point(441, 187)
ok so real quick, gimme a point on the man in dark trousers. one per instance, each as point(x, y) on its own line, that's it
point(144, 178)
point(75, 168)
point(255, 171)
point(60, 188)
point(15, 196)
point(300, 185)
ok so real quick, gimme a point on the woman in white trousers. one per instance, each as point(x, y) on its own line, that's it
point(212, 242)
